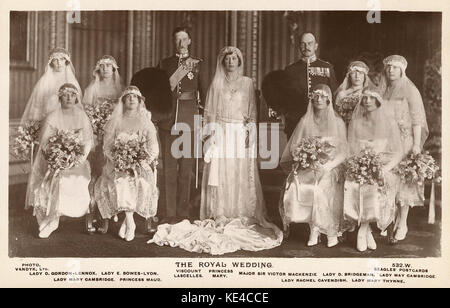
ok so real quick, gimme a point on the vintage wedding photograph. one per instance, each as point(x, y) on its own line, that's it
point(243, 134)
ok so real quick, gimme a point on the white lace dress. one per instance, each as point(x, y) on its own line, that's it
point(369, 203)
point(116, 193)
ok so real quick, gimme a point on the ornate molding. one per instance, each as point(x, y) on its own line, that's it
point(30, 61)
point(255, 46)
point(52, 30)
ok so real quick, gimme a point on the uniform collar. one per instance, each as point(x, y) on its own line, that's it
point(311, 59)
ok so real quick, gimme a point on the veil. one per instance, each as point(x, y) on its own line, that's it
point(214, 97)
point(358, 66)
point(115, 121)
point(383, 127)
point(44, 98)
point(307, 128)
point(53, 122)
point(91, 92)
point(405, 88)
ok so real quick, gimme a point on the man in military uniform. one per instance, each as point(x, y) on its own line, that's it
point(305, 74)
point(185, 76)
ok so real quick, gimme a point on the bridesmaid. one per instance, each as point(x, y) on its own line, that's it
point(406, 106)
point(372, 127)
point(44, 97)
point(315, 196)
point(105, 88)
point(116, 192)
point(63, 193)
point(349, 92)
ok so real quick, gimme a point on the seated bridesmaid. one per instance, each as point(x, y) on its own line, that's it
point(56, 186)
point(314, 187)
point(372, 129)
point(128, 180)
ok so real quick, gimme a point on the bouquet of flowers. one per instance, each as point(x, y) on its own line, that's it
point(99, 114)
point(28, 137)
point(130, 154)
point(310, 153)
point(346, 106)
point(416, 168)
point(64, 150)
point(365, 168)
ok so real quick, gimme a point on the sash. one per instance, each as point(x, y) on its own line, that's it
point(181, 72)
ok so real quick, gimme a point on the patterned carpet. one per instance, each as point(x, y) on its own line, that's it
point(70, 240)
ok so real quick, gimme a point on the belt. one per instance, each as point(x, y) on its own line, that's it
point(184, 96)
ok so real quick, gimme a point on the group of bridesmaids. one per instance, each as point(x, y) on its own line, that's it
point(57, 102)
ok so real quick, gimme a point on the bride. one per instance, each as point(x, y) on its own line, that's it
point(232, 210)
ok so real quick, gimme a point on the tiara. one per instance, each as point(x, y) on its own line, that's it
point(372, 93)
point(56, 55)
point(132, 90)
point(358, 68)
point(67, 90)
point(106, 61)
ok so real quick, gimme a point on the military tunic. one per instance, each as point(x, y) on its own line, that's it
point(175, 197)
point(320, 72)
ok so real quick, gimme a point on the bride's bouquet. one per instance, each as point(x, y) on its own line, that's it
point(99, 114)
point(310, 153)
point(365, 168)
point(26, 140)
point(130, 154)
point(64, 150)
point(416, 168)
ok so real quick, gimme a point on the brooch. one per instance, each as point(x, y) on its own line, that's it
point(190, 75)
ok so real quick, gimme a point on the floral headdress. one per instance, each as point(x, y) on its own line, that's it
point(107, 59)
point(131, 90)
point(396, 60)
point(57, 53)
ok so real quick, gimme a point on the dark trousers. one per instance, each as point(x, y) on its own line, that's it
point(177, 178)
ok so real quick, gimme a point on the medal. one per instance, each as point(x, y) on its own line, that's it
point(190, 75)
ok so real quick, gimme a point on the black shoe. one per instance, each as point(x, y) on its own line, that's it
point(150, 225)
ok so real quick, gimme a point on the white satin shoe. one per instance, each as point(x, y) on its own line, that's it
point(122, 230)
point(49, 229)
point(371, 244)
point(332, 241)
point(130, 233)
point(314, 238)
point(401, 232)
point(361, 241)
